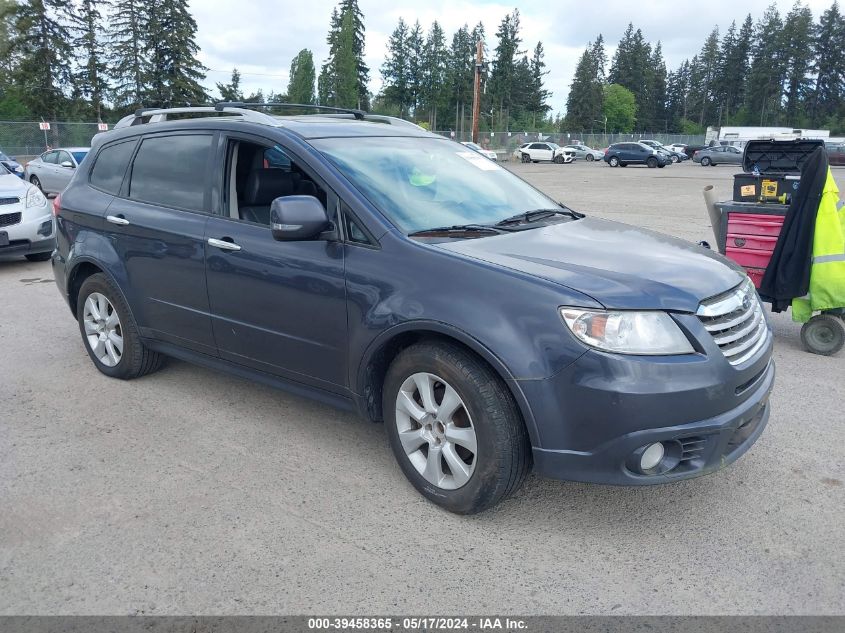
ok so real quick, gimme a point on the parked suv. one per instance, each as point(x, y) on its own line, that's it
point(624, 154)
point(392, 272)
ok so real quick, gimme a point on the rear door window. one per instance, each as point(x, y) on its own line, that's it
point(112, 161)
point(172, 171)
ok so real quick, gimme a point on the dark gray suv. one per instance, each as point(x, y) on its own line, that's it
point(365, 262)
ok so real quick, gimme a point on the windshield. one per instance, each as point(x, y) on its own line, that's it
point(472, 145)
point(423, 183)
point(3, 170)
point(4, 157)
point(78, 156)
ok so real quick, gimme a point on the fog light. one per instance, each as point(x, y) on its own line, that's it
point(652, 456)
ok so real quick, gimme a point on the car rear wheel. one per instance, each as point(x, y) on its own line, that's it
point(590, 158)
point(613, 161)
point(651, 162)
point(34, 180)
point(705, 161)
point(109, 332)
point(454, 428)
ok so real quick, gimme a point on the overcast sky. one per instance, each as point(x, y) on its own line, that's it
point(260, 37)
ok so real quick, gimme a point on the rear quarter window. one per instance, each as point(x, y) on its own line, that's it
point(110, 166)
point(171, 171)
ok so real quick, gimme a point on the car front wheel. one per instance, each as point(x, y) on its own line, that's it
point(651, 162)
point(590, 158)
point(675, 159)
point(109, 332)
point(558, 159)
point(526, 158)
point(454, 428)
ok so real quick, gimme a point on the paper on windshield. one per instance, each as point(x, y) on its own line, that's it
point(478, 161)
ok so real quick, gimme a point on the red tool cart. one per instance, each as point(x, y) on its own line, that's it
point(747, 227)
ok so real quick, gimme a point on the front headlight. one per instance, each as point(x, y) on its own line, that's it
point(18, 169)
point(644, 333)
point(34, 198)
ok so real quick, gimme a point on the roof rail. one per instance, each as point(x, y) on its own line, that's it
point(358, 114)
point(161, 114)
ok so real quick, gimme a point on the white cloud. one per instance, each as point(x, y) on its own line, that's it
point(260, 37)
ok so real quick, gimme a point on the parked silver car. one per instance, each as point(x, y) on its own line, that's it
point(582, 152)
point(718, 155)
point(26, 219)
point(51, 172)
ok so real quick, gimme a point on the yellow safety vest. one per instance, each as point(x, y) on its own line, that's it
point(827, 274)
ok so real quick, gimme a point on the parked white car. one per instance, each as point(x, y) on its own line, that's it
point(544, 151)
point(51, 172)
point(26, 219)
point(475, 147)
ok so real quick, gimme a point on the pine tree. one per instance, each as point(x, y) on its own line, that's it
point(232, 90)
point(90, 78)
point(704, 78)
point(797, 40)
point(732, 73)
point(345, 65)
point(41, 44)
point(127, 64)
point(415, 66)
point(631, 69)
point(584, 102)
point(537, 94)
point(362, 71)
point(301, 79)
point(395, 69)
point(434, 72)
point(657, 81)
point(502, 84)
point(175, 72)
point(829, 91)
point(326, 83)
point(461, 72)
point(768, 70)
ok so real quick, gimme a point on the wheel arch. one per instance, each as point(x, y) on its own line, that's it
point(81, 271)
point(377, 358)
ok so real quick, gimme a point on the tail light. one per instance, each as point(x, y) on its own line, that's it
point(57, 205)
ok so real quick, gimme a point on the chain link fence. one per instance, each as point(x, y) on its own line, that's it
point(26, 139)
point(506, 142)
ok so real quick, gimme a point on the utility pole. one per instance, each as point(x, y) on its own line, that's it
point(476, 92)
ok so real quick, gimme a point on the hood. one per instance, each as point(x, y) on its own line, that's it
point(13, 185)
point(620, 266)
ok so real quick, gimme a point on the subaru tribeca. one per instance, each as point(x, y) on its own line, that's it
point(365, 262)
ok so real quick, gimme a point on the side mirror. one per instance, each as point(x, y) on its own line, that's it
point(298, 218)
point(67, 164)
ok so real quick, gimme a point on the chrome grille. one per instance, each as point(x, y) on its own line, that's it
point(736, 322)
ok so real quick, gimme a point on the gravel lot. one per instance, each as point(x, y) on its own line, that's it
point(190, 491)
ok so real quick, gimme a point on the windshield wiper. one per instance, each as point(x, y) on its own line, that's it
point(538, 214)
point(459, 228)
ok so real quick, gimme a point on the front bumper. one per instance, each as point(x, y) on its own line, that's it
point(34, 233)
point(594, 418)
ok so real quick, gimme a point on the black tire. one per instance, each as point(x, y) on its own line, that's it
point(526, 158)
point(623, 164)
point(613, 161)
point(661, 165)
point(35, 181)
point(38, 257)
point(705, 162)
point(590, 158)
point(503, 456)
point(651, 162)
point(136, 360)
point(559, 160)
point(823, 334)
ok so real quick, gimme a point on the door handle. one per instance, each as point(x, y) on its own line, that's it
point(226, 245)
point(117, 219)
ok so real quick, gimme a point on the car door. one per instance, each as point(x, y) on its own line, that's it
point(157, 226)
point(65, 168)
point(733, 155)
point(279, 307)
point(44, 169)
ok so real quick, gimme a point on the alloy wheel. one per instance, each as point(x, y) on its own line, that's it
point(102, 329)
point(436, 431)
